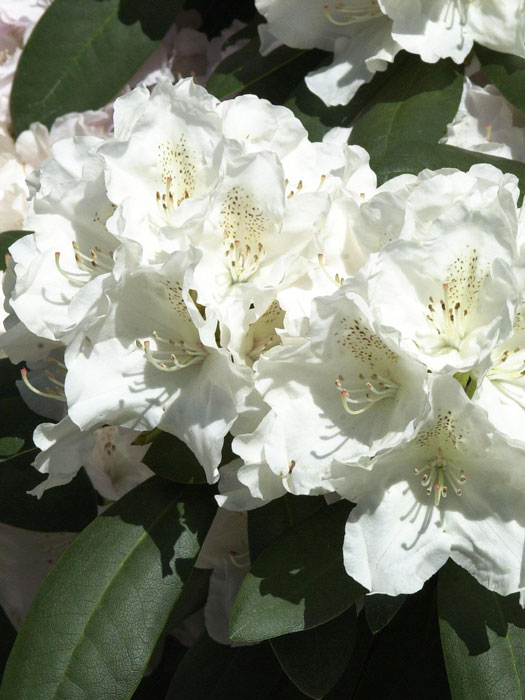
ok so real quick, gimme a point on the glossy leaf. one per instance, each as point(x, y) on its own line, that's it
point(273, 76)
point(317, 118)
point(380, 609)
point(483, 638)
point(414, 156)
point(316, 659)
point(415, 104)
point(298, 582)
point(78, 57)
point(507, 72)
point(7, 238)
point(96, 619)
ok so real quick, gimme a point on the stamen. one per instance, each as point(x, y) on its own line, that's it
point(351, 11)
point(48, 394)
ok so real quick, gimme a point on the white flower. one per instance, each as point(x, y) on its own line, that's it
point(485, 122)
point(501, 391)
point(154, 361)
point(449, 300)
point(112, 462)
point(71, 246)
point(455, 491)
point(356, 31)
point(365, 35)
point(344, 394)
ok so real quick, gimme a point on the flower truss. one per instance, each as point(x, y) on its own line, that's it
point(157, 263)
point(365, 35)
point(375, 398)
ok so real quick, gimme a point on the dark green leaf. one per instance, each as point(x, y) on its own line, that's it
point(7, 238)
point(318, 118)
point(298, 582)
point(483, 638)
point(7, 639)
point(212, 671)
point(316, 659)
point(78, 57)
point(415, 104)
point(414, 156)
point(154, 686)
point(172, 459)
point(272, 77)
point(66, 508)
point(347, 685)
point(9, 374)
point(155, 16)
point(96, 619)
point(404, 661)
point(218, 15)
point(507, 72)
point(272, 521)
point(18, 421)
point(193, 597)
point(380, 609)
point(10, 446)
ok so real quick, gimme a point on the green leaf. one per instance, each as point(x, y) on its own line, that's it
point(7, 238)
point(412, 157)
point(317, 118)
point(404, 660)
point(155, 16)
point(483, 638)
point(507, 72)
point(286, 588)
point(272, 521)
point(9, 446)
point(380, 609)
point(315, 659)
point(172, 459)
point(94, 622)
point(78, 57)
point(272, 77)
point(415, 104)
point(66, 508)
point(212, 671)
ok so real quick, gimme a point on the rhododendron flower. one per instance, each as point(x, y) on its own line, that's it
point(365, 35)
point(455, 491)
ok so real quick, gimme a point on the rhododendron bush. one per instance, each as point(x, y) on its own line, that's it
point(263, 349)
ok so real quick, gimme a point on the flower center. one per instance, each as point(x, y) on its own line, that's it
point(96, 263)
point(435, 475)
point(344, 12)
point(171, 354)
point(244, 225)
point(449, 316)
point(178, 174)
point(371, 391)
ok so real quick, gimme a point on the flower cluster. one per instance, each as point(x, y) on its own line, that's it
point(208, 269)
point(366, 35)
